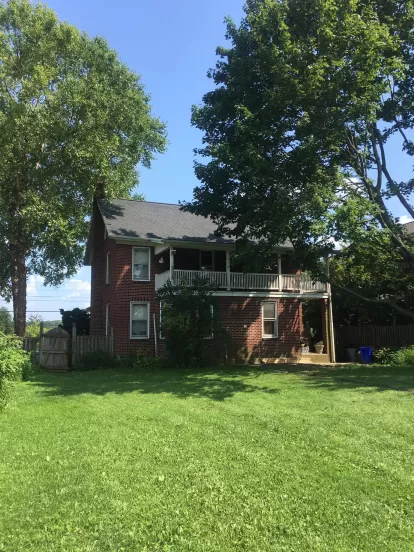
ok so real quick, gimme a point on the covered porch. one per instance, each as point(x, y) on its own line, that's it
point(185, 265)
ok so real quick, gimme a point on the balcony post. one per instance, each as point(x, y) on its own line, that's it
point(171, 265)
point(228, 276)
point(279, 270)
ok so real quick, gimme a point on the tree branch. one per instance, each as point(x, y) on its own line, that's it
point(385, 302)
point(392, 184)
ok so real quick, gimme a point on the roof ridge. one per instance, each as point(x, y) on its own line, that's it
point(144, 201)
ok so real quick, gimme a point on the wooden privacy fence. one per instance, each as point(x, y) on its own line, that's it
point(374, 336)
point(57, 351)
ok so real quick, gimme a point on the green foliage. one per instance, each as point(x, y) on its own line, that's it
point(33, 326)
point(189, 321)
point(142, 362)
point(80, 317)
point(6, 321)
point(384, 355)
point(71, 113)
point(99, 360)
point(307, 98)
point(15, 365)
point(404, 358)
point(373, 268)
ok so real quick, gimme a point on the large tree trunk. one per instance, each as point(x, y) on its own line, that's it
point(19, 290)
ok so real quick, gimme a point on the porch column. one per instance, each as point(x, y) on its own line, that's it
point(279, 270)
point(171, 265)
point(331, 332)
point(228, 276)
point(331, 326)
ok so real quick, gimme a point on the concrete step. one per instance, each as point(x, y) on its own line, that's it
point(308, 358)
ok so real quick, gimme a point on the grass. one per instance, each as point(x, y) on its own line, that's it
point(238, 459)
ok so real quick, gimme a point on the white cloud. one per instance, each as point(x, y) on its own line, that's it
point(405, 219)
point(32, 284)
point(78, 288)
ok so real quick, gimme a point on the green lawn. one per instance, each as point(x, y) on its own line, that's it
point(219, 460)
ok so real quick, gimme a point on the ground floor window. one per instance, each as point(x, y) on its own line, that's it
point(139, 317)
point(269, 319)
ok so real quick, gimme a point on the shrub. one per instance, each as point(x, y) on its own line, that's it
point(99, 360)
point(15, 365)
point(404, 358)
point(141, 362)
point(384, 355)
point(189, 321)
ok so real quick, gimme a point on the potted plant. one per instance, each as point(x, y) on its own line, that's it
point(304, 346)
point(319, 347)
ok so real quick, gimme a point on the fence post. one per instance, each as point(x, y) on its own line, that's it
point(74, 344)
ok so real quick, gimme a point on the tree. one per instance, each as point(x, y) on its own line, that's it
point(189, 319)
point(308, 98)
point(33, 326)
point(6, 321)
point(80, 317)
point(71, 114)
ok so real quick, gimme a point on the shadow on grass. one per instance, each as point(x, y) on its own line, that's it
point(217, 384)
point(221, 383)
point(363, 377)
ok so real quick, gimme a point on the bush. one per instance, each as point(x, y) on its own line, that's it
point(15, 365)
point(384, 355)
point(95, 361)
point(189, 322)
point(141, 362)
point(404, 358)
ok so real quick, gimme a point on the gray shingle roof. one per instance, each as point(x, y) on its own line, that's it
point(158, 221)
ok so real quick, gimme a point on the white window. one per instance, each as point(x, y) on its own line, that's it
point(107, 320)
point(269, 318)
point(140, 320)
point(141, 264)
point(107, 268)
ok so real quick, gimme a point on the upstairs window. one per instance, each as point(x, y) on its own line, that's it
point(269, 319)
point(139, 318)
point(141, 264)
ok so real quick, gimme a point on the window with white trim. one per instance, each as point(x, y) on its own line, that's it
point(141, 264)
point(269, 319)
point(107, 268)
point(140, 318)
point(107, 320)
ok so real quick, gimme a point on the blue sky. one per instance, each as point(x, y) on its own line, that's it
point(171, 45)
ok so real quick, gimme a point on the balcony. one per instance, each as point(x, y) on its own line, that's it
point(299, 283)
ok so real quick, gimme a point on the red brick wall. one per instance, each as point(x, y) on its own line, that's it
point(247, 342)
point(235, 312)
point(126, 291)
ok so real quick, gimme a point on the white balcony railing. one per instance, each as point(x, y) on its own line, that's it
point(243, 281)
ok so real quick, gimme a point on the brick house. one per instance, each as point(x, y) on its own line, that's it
point(135, 247)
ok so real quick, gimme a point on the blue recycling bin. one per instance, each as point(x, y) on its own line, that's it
point(366, 355)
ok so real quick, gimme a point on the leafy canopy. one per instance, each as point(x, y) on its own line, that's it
point(71, 113)
point(306, 101)
point(6, 321)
